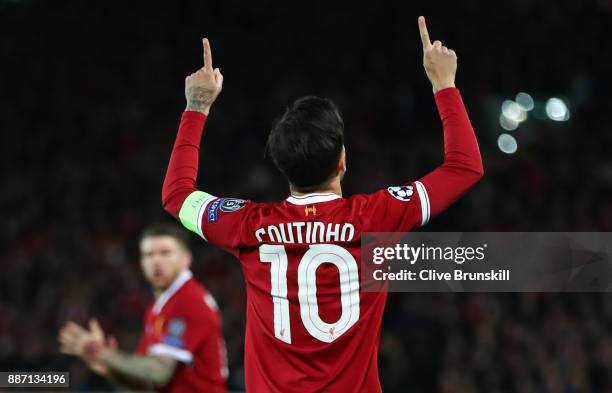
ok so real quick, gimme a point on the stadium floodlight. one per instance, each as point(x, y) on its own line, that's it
point(525, 101)
point(557, 110)
point(507, 143)
point(513, 111)
point(507, 123)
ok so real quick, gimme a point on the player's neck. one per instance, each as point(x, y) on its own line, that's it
point(333, 187)
point(157, 291)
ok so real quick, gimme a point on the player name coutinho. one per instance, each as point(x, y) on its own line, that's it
point(306, 232)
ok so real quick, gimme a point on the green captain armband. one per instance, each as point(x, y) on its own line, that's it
point(193, 209)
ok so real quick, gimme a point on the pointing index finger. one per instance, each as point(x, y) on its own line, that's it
point(207, 55)
point(424, 33)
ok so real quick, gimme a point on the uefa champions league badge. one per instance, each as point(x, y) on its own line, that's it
point(403, 193)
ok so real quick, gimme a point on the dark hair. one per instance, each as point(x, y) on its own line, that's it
point(166, 229)
point(306, 142)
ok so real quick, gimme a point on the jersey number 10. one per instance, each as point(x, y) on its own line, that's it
point(316, 255)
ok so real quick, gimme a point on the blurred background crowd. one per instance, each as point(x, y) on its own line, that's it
point(90, 98)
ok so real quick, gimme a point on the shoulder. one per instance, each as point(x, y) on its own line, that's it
point(195, 300)
point(392, 194)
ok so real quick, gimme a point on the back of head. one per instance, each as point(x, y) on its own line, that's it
point(306, 142)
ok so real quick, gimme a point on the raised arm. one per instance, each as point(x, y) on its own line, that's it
point(201, 89)
point(462, 166)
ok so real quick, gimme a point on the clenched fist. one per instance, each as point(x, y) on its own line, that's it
point(203, 86)
point(440, 62)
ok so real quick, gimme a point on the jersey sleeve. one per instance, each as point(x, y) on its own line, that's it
point(141, 349)
point(217, 220)
point(182, 334)
point(398, 208)
point(462, 166)
point(402, 208)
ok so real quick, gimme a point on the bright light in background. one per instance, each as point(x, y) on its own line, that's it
point(512, 114)
point(513, 111)
point(508, 124)
point(525, 101)
point(557, 110)
point(507, 143)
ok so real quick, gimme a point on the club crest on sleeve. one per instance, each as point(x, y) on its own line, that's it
point(403, 193)
point(231, 205)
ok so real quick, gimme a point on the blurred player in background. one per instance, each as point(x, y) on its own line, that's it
point(309, 327)
point(182, 348)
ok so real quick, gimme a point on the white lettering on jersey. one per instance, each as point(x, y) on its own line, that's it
point(305, 233)
point(333, 235)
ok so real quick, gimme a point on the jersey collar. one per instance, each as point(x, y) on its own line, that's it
point(309, 199)
point(178, 282)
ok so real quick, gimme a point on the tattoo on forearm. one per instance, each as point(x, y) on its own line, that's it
point(198, 98)
point(126, 383)
point(145, 369)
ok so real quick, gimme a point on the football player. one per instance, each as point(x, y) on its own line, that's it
point(309, 326)
point(182, 347)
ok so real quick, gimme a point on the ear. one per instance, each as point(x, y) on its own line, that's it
point(188, 258)
point(342, 162)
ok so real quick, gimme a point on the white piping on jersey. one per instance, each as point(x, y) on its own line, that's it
point(182, 355)
point(309, 199)
point(178, 282)
point(425, 208)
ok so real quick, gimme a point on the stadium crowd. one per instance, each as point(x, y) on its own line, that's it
point(90, 99)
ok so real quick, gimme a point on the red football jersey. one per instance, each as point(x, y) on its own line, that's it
point(309, 327)
point(184, 324)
